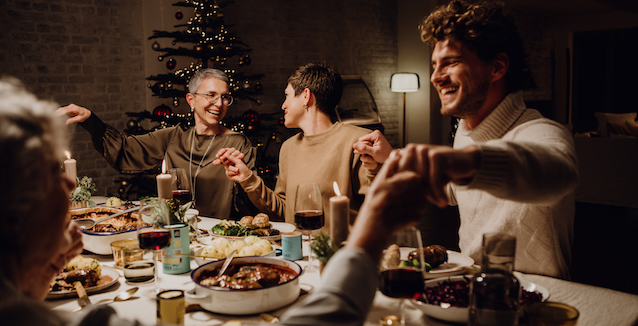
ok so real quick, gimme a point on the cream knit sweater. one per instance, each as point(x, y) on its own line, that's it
point(525, 187)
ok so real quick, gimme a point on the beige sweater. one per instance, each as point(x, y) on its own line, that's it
point(525, 187)
point(322, 159)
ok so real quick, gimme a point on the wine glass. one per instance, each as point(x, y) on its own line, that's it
point(181, 185)
point(309, 213)
point(151, 234)
point(406, 279)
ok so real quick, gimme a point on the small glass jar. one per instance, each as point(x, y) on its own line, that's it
point(495, 291)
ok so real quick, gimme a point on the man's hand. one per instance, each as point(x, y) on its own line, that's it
point(440, 165)
point(233, 162)
point(374, 149)
point(394, 201)
point(78, 114)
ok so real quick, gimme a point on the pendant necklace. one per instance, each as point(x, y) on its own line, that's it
point(199, 166)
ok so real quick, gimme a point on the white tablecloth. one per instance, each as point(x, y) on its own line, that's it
point(597, 306)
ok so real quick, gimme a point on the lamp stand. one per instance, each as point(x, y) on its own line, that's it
point(404, 120)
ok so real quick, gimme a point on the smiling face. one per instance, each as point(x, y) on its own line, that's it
point(293, 108)
point(461, 79)
point(207, 115)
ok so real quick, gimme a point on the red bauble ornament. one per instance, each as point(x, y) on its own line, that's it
point(162, 111)
point(179, 15)
point(252, 119)
point(171, 63)
point(247, 60)
point(258, 87)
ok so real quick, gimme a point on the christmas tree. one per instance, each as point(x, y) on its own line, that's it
point(206, 41)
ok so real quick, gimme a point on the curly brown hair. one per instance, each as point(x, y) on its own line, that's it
point(324, 82)
point(485, 28)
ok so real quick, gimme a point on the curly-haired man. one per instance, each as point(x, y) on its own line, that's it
point(510, 169)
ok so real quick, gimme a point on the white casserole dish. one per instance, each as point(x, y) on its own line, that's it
point(249, 301)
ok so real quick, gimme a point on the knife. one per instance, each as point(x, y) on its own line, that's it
point(83, 298)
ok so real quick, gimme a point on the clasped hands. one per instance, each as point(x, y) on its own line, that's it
point(435, 164)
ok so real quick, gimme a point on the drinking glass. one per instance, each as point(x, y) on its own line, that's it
point(181, 185)
point(151, 234)
point(403, 282)
point(309, 214)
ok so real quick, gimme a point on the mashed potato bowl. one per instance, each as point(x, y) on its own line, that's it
point(246, 301)
point(220, 248)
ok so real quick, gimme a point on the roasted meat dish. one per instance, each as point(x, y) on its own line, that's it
point(434, 255)
point(248, 276)
point(64, 281)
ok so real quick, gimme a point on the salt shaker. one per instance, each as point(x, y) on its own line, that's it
point(495, 292)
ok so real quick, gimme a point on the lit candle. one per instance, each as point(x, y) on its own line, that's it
point(164, 184)
point(339, 216)
point(70, 167)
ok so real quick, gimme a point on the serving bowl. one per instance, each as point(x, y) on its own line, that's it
point(100, 242)
point(461, 315)
point(245, 301)
point(201, 259)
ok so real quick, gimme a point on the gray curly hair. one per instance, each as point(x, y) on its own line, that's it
point(32, 140)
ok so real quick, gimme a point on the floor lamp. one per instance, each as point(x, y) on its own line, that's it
point(404, 82)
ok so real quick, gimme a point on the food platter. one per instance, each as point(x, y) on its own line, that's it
point(461, 315)
point(455, 265)
point(108, 278)
point(282, 227)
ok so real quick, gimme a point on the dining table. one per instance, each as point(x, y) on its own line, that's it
point(597, 306)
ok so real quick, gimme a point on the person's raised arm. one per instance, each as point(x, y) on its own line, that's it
point(78, 114)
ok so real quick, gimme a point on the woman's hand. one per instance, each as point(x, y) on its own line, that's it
point(78, 114)
point(233, 162)
point(374, 149)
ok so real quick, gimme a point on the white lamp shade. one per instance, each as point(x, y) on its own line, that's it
point(404, 82)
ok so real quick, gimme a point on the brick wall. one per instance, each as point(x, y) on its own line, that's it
point(91, 53)
point(85, 52)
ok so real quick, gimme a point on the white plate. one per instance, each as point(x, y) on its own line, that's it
point(461, 315)
point(455, 265)
point(106, 271)
point(281, 226)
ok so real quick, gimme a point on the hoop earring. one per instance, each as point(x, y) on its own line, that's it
point(305, 107)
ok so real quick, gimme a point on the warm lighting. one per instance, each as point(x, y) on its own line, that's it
point(163, 166)
point(68, 155)
point(335, 186)
point(404, 82)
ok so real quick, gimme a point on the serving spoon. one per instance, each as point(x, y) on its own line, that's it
point(227, 263)
point(89, 223)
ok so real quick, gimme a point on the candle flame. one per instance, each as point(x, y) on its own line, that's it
point(163, 166)
point(68, 155)
point(335, 186)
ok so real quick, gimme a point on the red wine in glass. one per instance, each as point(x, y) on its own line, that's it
point(309, 220)
point(154, 239)
point(183, 195)
point(401, 283)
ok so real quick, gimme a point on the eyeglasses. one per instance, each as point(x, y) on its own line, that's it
point(227, 99)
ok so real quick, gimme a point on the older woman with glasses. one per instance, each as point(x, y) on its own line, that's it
point(190, 148)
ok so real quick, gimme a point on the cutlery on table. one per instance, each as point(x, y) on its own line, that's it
point(122, 296)
point(83, 298)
